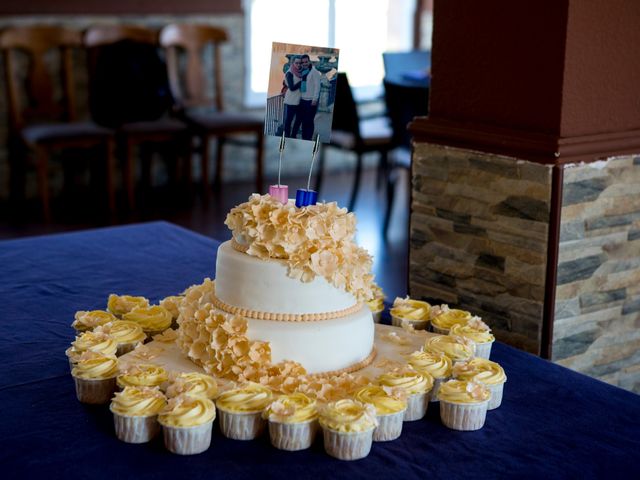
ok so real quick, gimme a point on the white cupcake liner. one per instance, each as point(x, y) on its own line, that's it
point(347, 446)
point(483, 350)
point(463, 416)
point(417, 404)
point(132, 429)
point(377, 316)
point(95, 391)
point(389, 426)
point(293, 436)
point(437, 382)
point(441, 331)
point(188, 440)
point(126, 348)
point(241, 426)
point(416, 324)
point(496, 395)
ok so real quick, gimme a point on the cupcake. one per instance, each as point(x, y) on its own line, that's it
point(121, 304)
point(463, 405)
point(443, 318)
point(194, 384)
point(135, 413)
point(153, 320)
point(416, 386)
point(293, 421)
point(172, 305)
point(347, 427)
point(143, 375)
point(412, 312)
point(436, 364)
point(241, 411)
point(483, 371)
point(128, 335)
point(98, 342)
point(89, 320)
point(95, 377)
point(458, 349)
point(376, 304)
point(186, 422)
point(477, 331)
point(390, 407)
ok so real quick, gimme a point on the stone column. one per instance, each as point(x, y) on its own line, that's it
point(526, 177)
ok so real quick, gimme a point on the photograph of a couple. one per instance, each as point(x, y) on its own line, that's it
point(301, 93)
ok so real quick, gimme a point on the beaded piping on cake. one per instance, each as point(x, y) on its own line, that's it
point(284, 317)
point(350, 369)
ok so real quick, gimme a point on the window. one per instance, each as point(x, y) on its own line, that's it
point(361, 29)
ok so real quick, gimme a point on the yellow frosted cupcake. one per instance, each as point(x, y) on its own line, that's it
point(436, 364)
point(376, 304)
point(186, 422)
point(458, 349)
point(89, 320)
point(98, 342)
point(172, 305)
point(121, 304)
point(484, 371)
point(195, 384)
point(477, 331)
point(241, 411)
point(443, 318)
point(412, 312)
point(348, 427)
point(390, 408)
point(95, 377)
point(143, 375)
point(127, 335)
point(416, 386)
point(135, 413)
point(463, 405)
point(293, 421)
point(153, 320)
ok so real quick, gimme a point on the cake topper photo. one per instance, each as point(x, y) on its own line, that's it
point(301, 93)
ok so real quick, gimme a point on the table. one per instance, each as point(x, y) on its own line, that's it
point(554, 423)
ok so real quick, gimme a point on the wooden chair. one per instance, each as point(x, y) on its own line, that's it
point(189, 91)
point(44, 124)
point(351, 133)
point(165, 132)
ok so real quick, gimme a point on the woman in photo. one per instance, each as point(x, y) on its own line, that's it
point(292, 82)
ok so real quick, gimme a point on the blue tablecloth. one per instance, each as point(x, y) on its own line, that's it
point(553, 423)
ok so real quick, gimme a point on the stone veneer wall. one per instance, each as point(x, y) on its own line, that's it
point(479, 228)
point(597, 316)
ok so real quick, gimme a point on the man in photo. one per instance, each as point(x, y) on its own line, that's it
point(309, 95)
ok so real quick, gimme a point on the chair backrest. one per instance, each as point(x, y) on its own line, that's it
point(38, 89)
point(399, 64)
point(127, 77)
point(345, 110)
point(189, 85)
point(403, 103)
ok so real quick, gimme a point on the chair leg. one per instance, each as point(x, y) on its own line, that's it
point(204, 163)
point(42, 161)
point(383, 169)
point(217, 182)
point(391, 193)
point(128, 174)
point(320, 170)
point(356, 182)
point(259, 160)
point(110, 146)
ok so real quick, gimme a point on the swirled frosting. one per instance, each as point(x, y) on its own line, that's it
point(409, 380)
point(123, 331)
point(475, 329)
point(480, 370)
point(96, 342)
point(151, 319)
point(187, 411)
point(95, 366)
point(248, 399)
point(445, 317)
point(194, 384)
point(293, 408)
point(348, 416)
point(376, 304)
point(89, 320)
point(455, 347)
point(436, 364)
point(409, 309)
point(138, 401)
point(121, 304)
point(460, 391)
point(143, 375)
point(384, 402)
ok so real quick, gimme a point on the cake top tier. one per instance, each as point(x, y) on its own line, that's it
point(312, 240)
